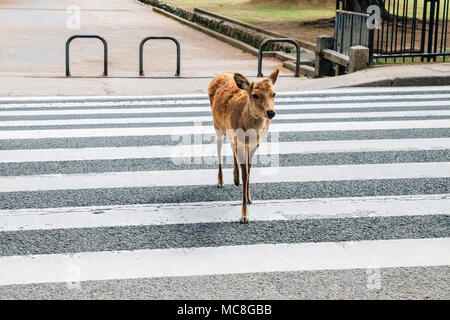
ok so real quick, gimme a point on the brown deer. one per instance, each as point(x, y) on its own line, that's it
point(241, 111)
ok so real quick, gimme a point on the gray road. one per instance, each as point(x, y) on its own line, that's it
point(115, 198)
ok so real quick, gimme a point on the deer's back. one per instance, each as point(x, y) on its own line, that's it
point(227, 101)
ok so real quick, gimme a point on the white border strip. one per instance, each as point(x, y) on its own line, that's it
point(109, 265)
point(223, 211)
point(208, 176)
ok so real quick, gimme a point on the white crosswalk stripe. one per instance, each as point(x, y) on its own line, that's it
point(207, 150)
point(89, 182)
point(221, 211)
point(199, 129)
point(301, 116)
point(202, 177)
point(226, 260)
point(95, 110)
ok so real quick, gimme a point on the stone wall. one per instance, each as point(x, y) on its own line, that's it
point(247, 36)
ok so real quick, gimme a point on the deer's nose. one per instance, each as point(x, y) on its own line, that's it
point(270, 114)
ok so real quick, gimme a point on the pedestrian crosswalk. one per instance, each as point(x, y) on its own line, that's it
point(123, 188)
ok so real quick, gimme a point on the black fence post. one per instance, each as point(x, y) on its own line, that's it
point(371, 40)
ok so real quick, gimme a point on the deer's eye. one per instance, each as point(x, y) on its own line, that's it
point(273, 95)
point(255, 96)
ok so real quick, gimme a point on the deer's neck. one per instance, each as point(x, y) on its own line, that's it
point(250, 121)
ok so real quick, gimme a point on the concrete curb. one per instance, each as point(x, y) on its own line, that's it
point(422, 81)
point(231, 41)
point(406, 82)
point(303, 44)
point(196, 19)
point(237, 32)
point(305, 70)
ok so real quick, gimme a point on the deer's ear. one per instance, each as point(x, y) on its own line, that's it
point(242, 82)
point(273, 77)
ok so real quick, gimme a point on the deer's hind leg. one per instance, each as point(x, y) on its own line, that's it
point(220, 138)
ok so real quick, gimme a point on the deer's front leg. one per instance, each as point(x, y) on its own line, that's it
point(249, 198)
point(220, 137)
point(236, 166)
point(244, 216)
point(251, 154)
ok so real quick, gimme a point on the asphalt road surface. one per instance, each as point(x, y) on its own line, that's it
point(115, 197)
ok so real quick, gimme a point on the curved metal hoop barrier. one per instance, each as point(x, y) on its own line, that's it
point(105, 52)
point(141, 53)
point(289, 40)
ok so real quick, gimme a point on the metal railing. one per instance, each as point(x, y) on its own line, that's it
point(105, 52)
point(351, 30)
point(415, 29)
point(288, 40)
point(410, 31)
point(141, 53)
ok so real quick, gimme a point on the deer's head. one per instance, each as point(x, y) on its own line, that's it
point(260, 94)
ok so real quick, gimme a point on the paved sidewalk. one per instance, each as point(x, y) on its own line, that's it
point(34, 34)
point(416, 75)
